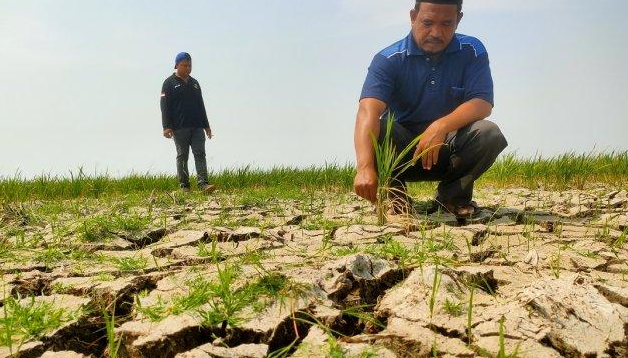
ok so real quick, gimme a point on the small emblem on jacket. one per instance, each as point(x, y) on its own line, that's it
point(196, 85)
point(177, 86)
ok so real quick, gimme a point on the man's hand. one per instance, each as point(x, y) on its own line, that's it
point(208, 131)
point(168, 133)
point(431, 141)
point(365, 184)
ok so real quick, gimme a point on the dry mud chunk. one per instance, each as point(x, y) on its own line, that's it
point(582, 322)
point(410, 339)
point(27, 350)
point(617, 295)
point(237, 235)
point(411, 300)
point(114, 244)
point(30, 283)
point(241, 351)
point(362, 234)
point(180, 238)
point(63, 354)
point(275, 324)
point(164, 339)
point(317, 345)
point(407, 311)
point(368, 275)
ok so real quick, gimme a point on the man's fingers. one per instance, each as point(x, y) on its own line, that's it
point(372, 194)
point(424, 158)
point(428, 159)
point(435, 153)
point(358, 191)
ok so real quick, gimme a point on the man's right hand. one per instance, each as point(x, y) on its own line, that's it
point(168, 133)
point(365, 184)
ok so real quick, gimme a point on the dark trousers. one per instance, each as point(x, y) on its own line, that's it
point(466, 155)
point(184, 139)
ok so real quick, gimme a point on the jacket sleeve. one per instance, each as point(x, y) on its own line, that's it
point(200, 98)
point(166, 121)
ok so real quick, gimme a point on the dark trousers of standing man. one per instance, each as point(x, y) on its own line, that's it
point(466, 155)
point(184, 139)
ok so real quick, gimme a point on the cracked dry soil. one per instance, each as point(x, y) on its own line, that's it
point(535, 274)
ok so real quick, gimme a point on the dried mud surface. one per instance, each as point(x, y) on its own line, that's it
point(535, 274)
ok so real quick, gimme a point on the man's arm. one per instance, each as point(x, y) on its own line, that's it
point(435, 135)
point(367, 125)
point(208, 130)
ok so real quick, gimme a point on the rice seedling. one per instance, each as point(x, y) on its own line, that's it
point(470, 315)
point(435, 286)
point(555, 261)
point(502, 342)
point(113, 344)
point(620, 242)
point(212, 252)
point(390, 164)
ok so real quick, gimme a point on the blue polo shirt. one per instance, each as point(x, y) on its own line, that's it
point(419, 90)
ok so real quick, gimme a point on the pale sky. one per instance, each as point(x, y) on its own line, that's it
point(281, 79)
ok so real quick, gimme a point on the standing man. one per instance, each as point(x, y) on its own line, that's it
point(436, 83)
point(184, 118)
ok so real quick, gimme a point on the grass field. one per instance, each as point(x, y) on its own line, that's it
point(564, 171)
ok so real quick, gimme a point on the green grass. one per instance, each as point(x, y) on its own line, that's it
point(28, 320)
point(113, 344)
point(258, 185)
point(127, 264)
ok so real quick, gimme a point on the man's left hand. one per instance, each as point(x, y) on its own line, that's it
point(431, 141)
point(208, 131)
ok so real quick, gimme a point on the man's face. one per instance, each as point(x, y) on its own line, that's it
point(184, 68)
point(434, 25)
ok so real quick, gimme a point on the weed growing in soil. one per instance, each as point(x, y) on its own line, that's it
point(113, 344)
point(453, 308)
point(126, 264)
point(28, 319)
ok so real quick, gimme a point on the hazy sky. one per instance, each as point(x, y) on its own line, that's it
point(281, 79)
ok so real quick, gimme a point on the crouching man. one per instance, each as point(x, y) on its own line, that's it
point(437, 84)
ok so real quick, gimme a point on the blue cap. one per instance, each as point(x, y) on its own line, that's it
point(182, 56)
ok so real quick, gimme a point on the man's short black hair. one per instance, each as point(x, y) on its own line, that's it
point(447, 2)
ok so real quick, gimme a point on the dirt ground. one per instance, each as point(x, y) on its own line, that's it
point(536, 274)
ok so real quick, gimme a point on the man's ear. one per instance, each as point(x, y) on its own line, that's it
point(413, 15)
point(460, 17)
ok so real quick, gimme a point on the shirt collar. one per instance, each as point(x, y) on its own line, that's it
point(415, 50)
point(454, 45)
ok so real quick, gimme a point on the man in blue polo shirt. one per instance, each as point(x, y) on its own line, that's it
point(436, 83)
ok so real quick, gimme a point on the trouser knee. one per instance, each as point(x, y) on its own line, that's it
point(490, 137)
